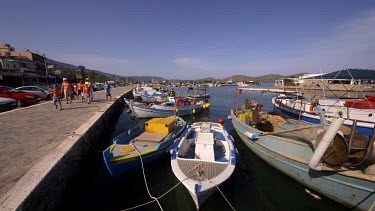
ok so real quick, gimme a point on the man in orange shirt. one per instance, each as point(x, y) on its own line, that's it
point(56, 96)
point(67, 88)
point(86, 93)
point(80, 86)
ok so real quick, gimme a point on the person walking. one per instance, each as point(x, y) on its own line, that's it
point(107, 90)
point(80, 90)
point(56, 96)
point(86, 93)
point(91, 89)
point(67, 88)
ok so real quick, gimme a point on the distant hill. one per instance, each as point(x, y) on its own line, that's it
point(235, 78)
point(70, 66)
point(147, 78)
point(264, 78)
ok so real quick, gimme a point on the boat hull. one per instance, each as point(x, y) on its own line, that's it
point(126, 166)
point(188, 157)
point(160, 111)
point(352, 192)
point(121, 167)
point(200, 197)
point(314, 118)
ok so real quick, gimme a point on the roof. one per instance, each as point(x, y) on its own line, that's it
point(349, 74)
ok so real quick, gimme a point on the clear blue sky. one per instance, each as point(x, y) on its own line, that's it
point(197, 38)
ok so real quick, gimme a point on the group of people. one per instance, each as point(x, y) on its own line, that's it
point(84, 91)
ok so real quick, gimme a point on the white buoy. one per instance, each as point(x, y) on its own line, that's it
point(250, 135)
point(324, 144)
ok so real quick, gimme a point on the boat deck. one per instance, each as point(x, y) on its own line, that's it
point(126, 149)
point(144, 142)
point(209, 169)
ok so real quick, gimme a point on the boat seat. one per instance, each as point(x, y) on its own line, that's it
point(152, 137)
point(204, 147)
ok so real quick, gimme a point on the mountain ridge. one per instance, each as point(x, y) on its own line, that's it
point(235, 78)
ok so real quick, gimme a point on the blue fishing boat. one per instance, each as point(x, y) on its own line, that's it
point(203, 158)
point(331, 159)
point(149, 140)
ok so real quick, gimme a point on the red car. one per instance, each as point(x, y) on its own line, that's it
point(23, 98)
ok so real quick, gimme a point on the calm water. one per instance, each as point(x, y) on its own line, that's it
point(254, 184)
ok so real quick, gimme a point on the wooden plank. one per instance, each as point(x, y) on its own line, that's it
point(153, 137)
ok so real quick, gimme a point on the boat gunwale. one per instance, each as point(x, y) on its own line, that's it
point(345, 171)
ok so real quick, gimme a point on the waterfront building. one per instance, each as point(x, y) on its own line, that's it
point(355, 80)
point(20, 68)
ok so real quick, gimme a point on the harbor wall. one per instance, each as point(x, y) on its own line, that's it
point(43, 187)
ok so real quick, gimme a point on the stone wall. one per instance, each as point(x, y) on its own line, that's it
point(76, 149)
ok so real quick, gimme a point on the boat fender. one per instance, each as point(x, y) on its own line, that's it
point(193, 111)
point(326, 141)
point(180, 100)
point(251, 135)
point(312, 107)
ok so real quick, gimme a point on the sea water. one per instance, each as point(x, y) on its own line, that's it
point(254, 185)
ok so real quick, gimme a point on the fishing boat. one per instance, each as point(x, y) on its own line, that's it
point(350, 109)
point(179, 106)
point(197, 94)
point(147, 93)
point(331, 159)
point(149, 140)
point(203, 158)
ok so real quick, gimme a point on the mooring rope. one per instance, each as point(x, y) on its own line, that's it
point(93, 148)
point(220, 192)
point(161, 196)
point(144, 177)
point(199, 173)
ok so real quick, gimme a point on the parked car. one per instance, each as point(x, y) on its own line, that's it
point(23, 98)
point(41, 91)
point(7, 104)
point(98, 87)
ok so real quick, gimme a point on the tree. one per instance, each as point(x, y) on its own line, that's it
point(81, 72)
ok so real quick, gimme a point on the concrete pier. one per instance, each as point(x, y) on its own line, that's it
point(41, 147)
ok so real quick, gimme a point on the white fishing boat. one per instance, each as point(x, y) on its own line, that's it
point(197, 94)
point(331, 159)
point(203, 159)
point(147, 93)
point(179, 106)
point(349, 109)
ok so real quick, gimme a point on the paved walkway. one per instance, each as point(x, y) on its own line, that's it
point(27, 135)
